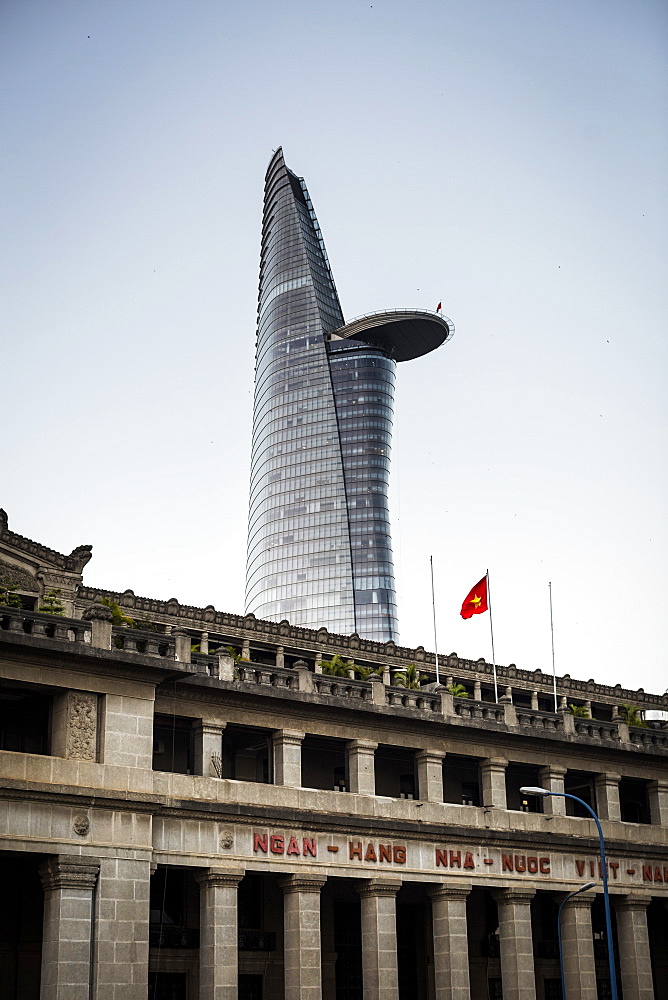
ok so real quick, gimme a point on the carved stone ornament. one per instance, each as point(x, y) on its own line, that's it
point(226, 840)
point(20, 579)
point(81, 825)
point(98, 612)
point(82, 726)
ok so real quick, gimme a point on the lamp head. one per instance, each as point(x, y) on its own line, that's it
point(533, 790)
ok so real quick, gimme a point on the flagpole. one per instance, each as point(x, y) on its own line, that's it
point(433, 605)
point(554, 672)
point(491, 631)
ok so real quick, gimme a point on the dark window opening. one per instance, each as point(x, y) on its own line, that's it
point(580, 783)
point(24, 720)
point(461, 780)
point(173, 744)
point(250, 901)
point(324, 763)
point(483, 924)
point(168, 986)
point(517, 776)
point(411, 951)
point(348, 949)
point(250, 986)
point(545, 703)
point(246, 755)
point(633, 801)
point(174, 909)
point(395, 772)
point(21, 918)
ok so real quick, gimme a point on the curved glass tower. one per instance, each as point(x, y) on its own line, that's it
point(319, 549)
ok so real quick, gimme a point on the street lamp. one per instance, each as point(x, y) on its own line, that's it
point(583, 888)
point(542, 792)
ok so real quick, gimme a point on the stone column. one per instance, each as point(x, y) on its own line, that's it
point(517, 969)
point(552, 778)
point(657, 792)
point(208, 743)
point(379, 938)
point(361, 766)
point(122, 926)
point(635, 964)
point(287, 745)
point(451, 951)
point(607, 796)
point(430, 775)
point(578, 948)
point(493, 775)
point(68, 882)
point(218, 963)
point(280, 656)
point(301, 936)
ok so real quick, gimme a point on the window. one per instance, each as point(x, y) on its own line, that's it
point(172, 744)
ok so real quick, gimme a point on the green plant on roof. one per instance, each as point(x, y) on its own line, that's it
point(364, 673)
point(632, 716)
point(337, 666)
point(8, 597)
point(119, 616)
point(410, 677)
point(234, 653)
point(457, 690)
point(51, 603)
point(579, 711)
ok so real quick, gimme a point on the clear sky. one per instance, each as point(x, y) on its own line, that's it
point(507, 157)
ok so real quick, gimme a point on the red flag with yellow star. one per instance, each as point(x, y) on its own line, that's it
point(475, 601)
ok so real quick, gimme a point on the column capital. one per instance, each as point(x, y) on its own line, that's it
point(513, 895)
point(364, 746)
point(432, 756)
point(607, 778)
point(65, 871)
point(658, 785)
point(553, 771)
point(289, 737)
point(449, 890)
point(220, 878)
point(379, 887)
point(632, 901)
point(302, 883)
point(582, 902)
point(208, 728)
point(494, 764)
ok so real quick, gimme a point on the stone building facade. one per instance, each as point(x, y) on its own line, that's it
point(192, 807)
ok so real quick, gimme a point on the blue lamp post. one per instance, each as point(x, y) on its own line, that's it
point(542, 792)
point(583, 888)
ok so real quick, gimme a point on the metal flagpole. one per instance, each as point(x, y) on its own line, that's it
point(433, 605)
point(554, 672)
point(491, 631)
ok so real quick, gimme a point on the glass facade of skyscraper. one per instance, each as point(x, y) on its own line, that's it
point(319, 550)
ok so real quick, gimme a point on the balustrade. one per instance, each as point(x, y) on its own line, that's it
point(596, 730)
point(540, 720)
point(425, 700)
point(465, 708)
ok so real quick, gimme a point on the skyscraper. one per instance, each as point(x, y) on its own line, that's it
point(319, 548)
